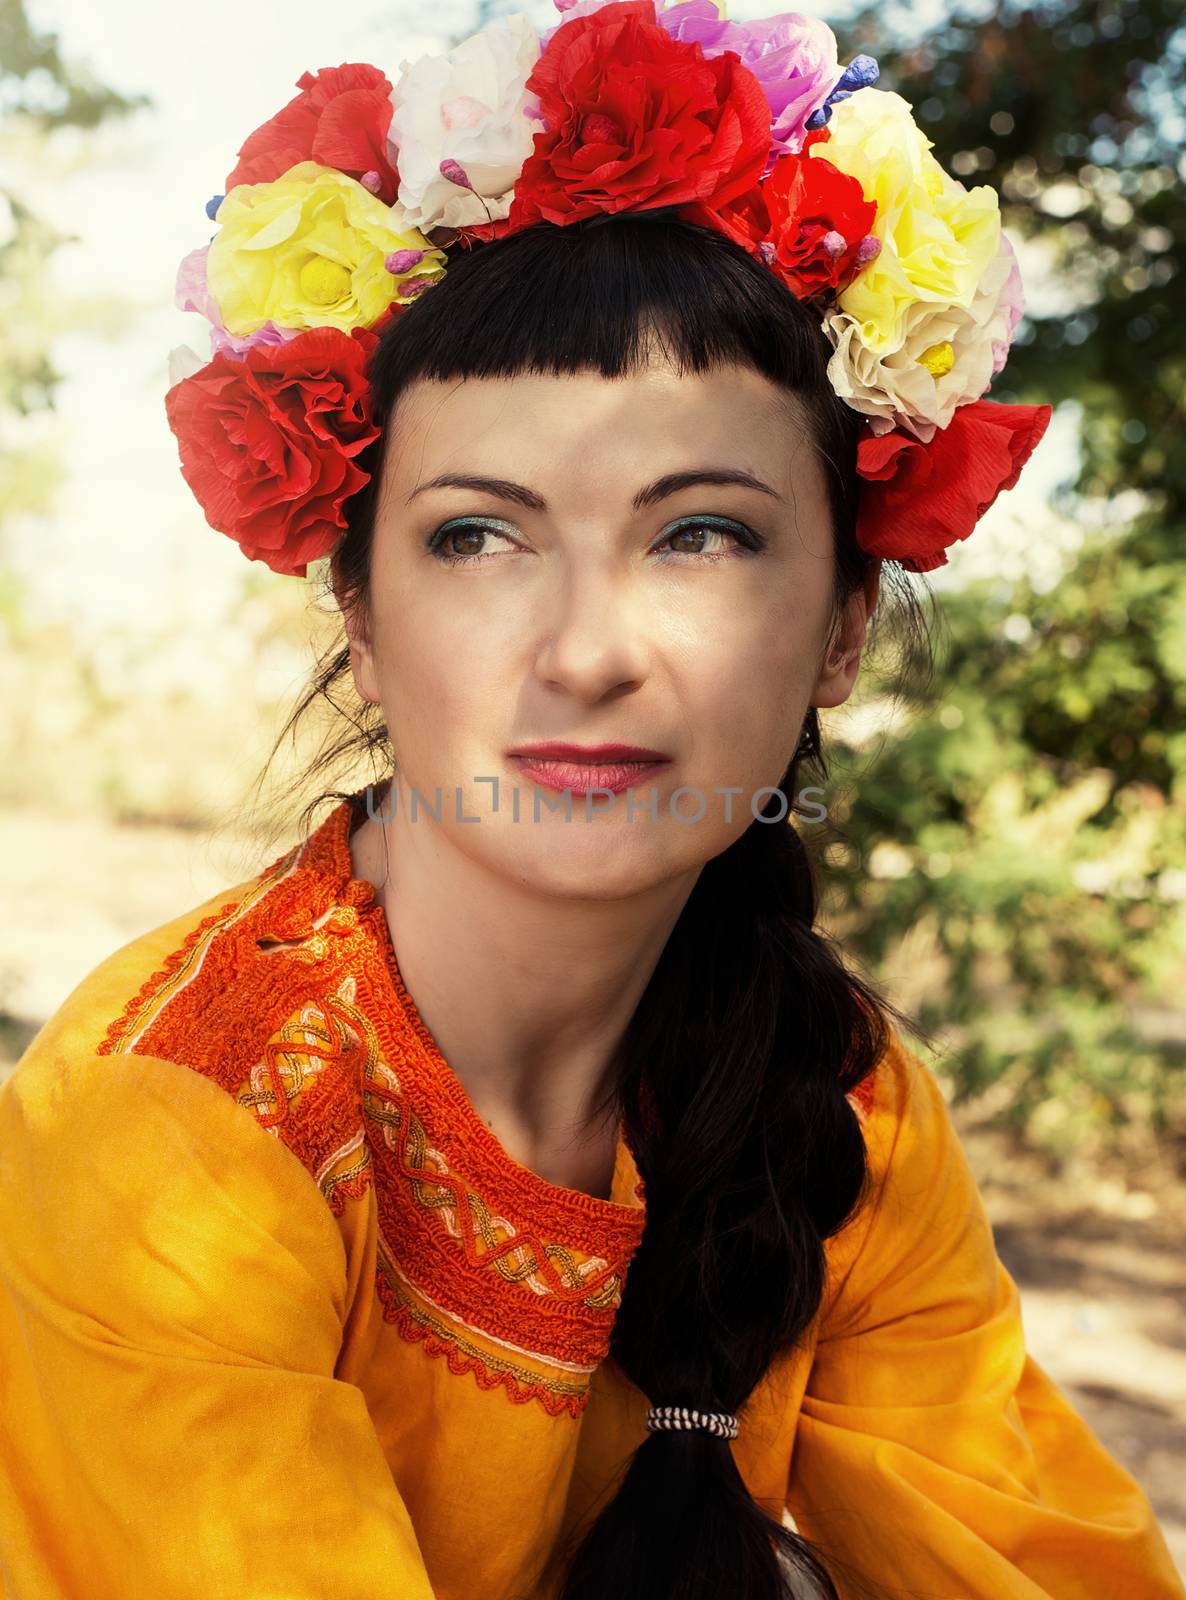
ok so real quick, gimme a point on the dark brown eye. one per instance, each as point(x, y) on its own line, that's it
point(697, 535)
point(696, 538)
point(464, 541)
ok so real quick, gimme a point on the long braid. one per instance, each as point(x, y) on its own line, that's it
point(732, 1078)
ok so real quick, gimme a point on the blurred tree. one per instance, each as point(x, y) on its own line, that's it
point(1014, 848)
point(40, 94)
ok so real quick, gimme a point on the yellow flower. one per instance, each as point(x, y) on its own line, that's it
point(308, 251)
point(937, 238)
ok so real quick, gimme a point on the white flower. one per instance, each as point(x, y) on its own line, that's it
point(945, 359)
point(469, 106)
point(183, 363)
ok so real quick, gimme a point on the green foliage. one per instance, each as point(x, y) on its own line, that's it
point(1073, 112)
point(1012, 856)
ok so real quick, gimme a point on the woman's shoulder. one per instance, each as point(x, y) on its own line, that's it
point(136, 1197)
point(116, 1120)
point(239, 1004)
point(919, 1180)
point(75, 1061)
point(82, 1023)
point(205, 948)
point(900, 1096)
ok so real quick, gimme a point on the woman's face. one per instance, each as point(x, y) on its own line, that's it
point(592, 593)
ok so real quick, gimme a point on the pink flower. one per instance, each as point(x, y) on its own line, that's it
point(192, 294)
point(792, 56)
point(1012, 304)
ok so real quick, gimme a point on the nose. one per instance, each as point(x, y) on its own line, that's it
point(593, 639)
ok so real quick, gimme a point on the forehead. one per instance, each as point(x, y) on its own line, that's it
point(581, 429)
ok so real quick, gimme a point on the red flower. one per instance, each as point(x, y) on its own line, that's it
point(635, 118)
point(267, 441)
point(809, 201)
point(745, 220)
point(921, 498)
point(486, 231)
point(340, 119)
point(786, 218)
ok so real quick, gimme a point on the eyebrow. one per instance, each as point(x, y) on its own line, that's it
point(648, 495)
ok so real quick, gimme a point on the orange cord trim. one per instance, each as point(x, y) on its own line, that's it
point(399, 1314)
point(174, 964)
point(863, 1093)
point(528, 1244)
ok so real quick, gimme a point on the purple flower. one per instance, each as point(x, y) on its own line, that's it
point(792, 56)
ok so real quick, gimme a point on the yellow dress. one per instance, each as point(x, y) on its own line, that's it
point(280, 1319)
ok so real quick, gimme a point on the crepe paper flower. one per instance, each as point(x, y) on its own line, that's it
point(792, 56)
point(486, 231)
point(818, 218)
point(634, 118)
point(192, 294)
point(919, 499)
point(946, 358)
point(937, 237)
point(307, 251)
point(745, 220)
point(584, 8)
point(573, 8)
point(267, 442)
point(468, 106)
point(860, 73)
point(1011, 306)
point(340, 119)
point(183, 363)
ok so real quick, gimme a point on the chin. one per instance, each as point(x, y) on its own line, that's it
point(589, 861)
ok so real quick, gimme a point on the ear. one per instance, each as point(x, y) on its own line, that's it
point(362, 655)
point(839, 670)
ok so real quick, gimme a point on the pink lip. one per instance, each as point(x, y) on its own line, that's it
point(581, 776)
point(556, 749)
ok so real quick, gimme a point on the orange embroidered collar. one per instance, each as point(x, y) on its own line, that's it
point(290, 997)
point(329, 853)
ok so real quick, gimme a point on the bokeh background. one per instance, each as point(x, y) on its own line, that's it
point(1006, 845)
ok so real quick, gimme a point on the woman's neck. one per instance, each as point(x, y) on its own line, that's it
point(526, 995)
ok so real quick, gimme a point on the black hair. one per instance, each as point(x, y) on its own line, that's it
point(733, 1073)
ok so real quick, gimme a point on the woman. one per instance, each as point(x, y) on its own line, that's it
point(508, 1192)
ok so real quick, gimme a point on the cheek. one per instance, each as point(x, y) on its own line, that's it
point(445, 687)
point(752, 676)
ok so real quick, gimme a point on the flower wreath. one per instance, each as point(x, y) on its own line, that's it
point(342, 209)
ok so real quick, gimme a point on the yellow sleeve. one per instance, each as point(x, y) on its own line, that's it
point(172, 1289)
point(933, 1456)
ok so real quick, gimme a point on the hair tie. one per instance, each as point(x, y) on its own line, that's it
point(720, 1423)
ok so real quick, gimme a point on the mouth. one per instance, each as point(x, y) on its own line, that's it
point(590, 754)
point(583, 773)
